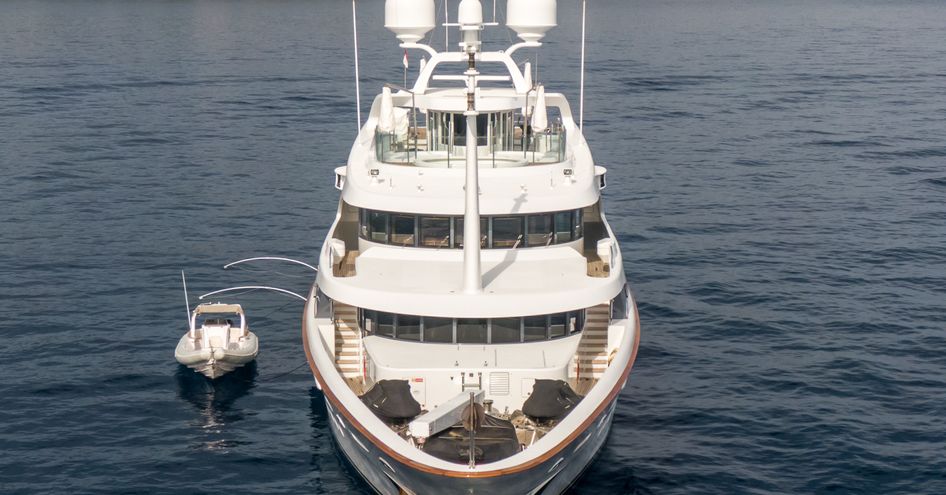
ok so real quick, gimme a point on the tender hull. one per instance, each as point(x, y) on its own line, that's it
point(216, 362)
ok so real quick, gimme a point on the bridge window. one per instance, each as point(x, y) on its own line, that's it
point(458, 231)
point(378, 226)
point(506, 330)
point(557, 325)
point(435, 232)
point(507, 232)
point(471, 330)
point(540, 230)
point(408, 327)
point(496, 232)
point(535, 328)
point(402, 229)
point(438, 330)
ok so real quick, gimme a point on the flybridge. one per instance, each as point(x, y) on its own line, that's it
point(512, 128)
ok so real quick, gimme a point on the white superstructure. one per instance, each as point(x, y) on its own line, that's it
point(443, 361)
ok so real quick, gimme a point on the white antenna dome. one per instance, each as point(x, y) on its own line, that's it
point(470, 12)
point(531, 19)
point(410, 20)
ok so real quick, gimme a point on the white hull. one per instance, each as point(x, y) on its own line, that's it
point(390, 477)
point(391, 466)
point(214, 362)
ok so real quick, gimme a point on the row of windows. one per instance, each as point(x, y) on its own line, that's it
point(471, 330)
point(497, 232)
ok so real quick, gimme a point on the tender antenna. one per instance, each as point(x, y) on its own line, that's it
point(254, 287)
point(186, 300)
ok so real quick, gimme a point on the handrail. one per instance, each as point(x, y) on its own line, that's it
point(271, 258)
point(253, 287)
point(413, 111)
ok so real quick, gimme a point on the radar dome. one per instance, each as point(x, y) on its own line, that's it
point(410, 20)
point(531, 19)
point(470, 12)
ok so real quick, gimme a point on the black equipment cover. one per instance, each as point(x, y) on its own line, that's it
point(550, 400)
point(391, 400)
point(495, 439)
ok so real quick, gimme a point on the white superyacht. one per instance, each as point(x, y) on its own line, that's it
point(453, 367)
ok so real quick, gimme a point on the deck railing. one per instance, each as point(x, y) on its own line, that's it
point(528, 148)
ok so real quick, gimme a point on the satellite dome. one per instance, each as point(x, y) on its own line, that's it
point(410, 20)
point(531, 19)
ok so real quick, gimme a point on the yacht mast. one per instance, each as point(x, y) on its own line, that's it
point(470, 17)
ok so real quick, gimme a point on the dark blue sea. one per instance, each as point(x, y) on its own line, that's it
point(777, 177)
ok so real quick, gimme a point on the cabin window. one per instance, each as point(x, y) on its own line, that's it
point(471, 331)
point(435, 232)
point(438, 330)
point(402, 230)
point(535, 328)
point(408, 327)
point(500, 232)
point(385, 324)
point(505, 330)
point(557, 325)
point(458, 232)
point(579, 226)
point(619, 306)
point(507, 232)
point(564, 227)
point(369, 320)
point(378, 226)
point(575, 321)
point(540, 230)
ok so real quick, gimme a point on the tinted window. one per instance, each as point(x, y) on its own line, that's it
point(505, 330)
point(507, 232)
point(435, 232)
point(438, 330)
point(534, 328)
point(540, 230)
point(579, 214)
point(370, 321)
point(458, 231)
point(619, 306)
point(563, 226)
point(471, 331)
point(557, 325)
point(408, 327)
point(378, 226)
point(385, 324)
point(402, 230)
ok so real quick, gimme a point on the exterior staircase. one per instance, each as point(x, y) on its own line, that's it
point(592, 356)
point(348, 352)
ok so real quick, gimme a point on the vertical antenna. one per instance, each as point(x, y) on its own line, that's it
point(494, 10)
point(354, 25)
point(581, 105)
point(446, 29)
point(186, 300)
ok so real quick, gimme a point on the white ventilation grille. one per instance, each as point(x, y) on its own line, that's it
point(499, 383)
